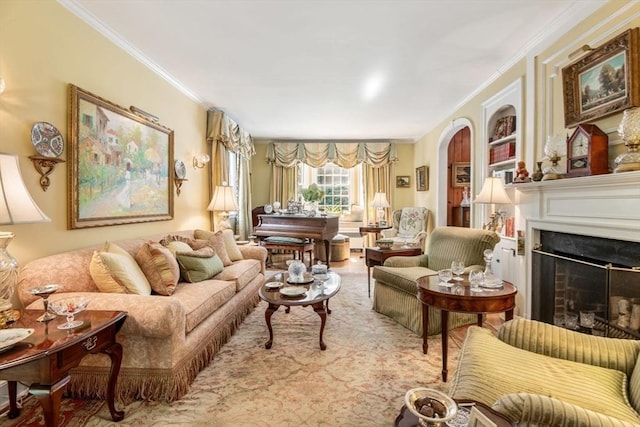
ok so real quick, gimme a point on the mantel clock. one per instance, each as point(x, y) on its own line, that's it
point(587, 151)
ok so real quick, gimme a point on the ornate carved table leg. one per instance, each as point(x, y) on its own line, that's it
point(267, 316)
point(319, 308)
point(115, 354)
point(50, 398)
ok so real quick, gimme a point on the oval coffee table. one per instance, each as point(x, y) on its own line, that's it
point(315, 295)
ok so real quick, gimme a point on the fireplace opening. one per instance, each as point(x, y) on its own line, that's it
point(590, 284)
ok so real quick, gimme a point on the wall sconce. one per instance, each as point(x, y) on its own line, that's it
point(200, 160)
point(2, 85)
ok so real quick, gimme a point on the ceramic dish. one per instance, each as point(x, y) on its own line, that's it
point(268, 209)
point(47, 139)
point(10, 337)
point(274, 285)
point(181, 169)
point(293, 291)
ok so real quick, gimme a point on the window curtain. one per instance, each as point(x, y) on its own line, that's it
point(224, 135)
point(376, 157)
point(376, 179)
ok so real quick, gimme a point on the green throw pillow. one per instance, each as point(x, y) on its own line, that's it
point(196, 266)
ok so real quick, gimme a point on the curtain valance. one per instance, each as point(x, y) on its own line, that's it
point(222, 129)
point(343, 154)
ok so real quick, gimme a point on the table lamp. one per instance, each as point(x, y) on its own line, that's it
point(380, 202)
point(629, 131)
point(16, 207)
point(493, 193)
point(224, 201)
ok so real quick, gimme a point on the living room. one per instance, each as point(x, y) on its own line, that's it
point(48, 48)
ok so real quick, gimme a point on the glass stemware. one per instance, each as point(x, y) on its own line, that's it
point(457, 267)
point(69, 307)
point(44, 292)
point(445, 275)
point(475, 278)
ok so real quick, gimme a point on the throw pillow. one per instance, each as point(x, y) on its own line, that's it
point(114, 270)
point(231, 246)
point(216, 241)
point(177, 246)
point(196, 266)
point(160, 267)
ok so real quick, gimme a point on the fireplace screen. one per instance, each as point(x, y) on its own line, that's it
point(585, 294)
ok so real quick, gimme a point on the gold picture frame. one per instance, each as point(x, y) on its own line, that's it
point(603, 82)
point(422, 178)
point(120, 164)
point(461, 174)
point(403, 181)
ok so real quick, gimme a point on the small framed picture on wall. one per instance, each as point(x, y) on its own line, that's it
point(403, 181)
point(422, 178)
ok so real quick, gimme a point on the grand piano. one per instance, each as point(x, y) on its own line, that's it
point(318, 228)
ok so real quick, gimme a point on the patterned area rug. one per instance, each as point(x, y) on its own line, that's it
point(360, 380)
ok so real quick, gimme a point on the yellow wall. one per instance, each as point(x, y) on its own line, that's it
point(44, 48)
point(607, 22)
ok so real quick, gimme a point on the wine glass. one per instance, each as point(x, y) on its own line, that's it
point(69, 307)
point(457, 267)
point(475, 278)
point(445, 275)
point(44, 292)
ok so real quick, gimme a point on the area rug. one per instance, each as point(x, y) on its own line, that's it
point(360, 380)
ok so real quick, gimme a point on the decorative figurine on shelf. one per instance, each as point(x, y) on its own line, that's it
point(465, 197)
point(522, 175)
point(538, 174)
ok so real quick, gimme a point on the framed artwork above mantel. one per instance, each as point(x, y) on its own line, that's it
point(604, 81)
point(121, 167)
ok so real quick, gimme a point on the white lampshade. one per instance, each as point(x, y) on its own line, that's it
point(380, 201)
point(16, 207)
point(492, 192)
point(16, 204)
point(224, 201)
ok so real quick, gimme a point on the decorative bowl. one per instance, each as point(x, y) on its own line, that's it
point(384, 243)
point(444, 407)
point(69, 307)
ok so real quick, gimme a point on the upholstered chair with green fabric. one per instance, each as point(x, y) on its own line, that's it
point(540, 374)
point(395, 289)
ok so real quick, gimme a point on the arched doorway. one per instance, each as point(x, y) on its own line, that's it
point(444, 171)
point(459, 178)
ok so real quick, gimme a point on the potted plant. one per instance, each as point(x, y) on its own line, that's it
point(312, 195)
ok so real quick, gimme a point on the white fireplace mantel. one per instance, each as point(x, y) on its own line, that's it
point(605, 206)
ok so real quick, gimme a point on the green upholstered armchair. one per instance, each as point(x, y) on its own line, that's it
point(395, 289)
point(539, 374)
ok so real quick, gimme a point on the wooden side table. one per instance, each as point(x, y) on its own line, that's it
point(373, 229)
point(377, 256)
point(43, 360)
point(460, 298)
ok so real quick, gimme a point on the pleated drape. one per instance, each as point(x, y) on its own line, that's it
point(224, 136)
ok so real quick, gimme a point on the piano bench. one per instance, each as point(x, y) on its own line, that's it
point(297, 248)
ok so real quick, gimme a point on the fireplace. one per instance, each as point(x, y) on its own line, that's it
point(587, 283)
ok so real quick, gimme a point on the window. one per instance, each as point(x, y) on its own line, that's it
point(342, 187)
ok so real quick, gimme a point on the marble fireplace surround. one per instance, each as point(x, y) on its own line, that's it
point(602, 206)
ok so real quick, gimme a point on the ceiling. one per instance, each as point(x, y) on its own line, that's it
point(332, 69)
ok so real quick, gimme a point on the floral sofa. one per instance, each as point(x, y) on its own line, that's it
point(543, 375)
point(196, 288)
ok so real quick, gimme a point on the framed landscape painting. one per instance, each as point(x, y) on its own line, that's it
point(461, 174)
point(120, 164)
point(403, 181)
point(603, 82)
